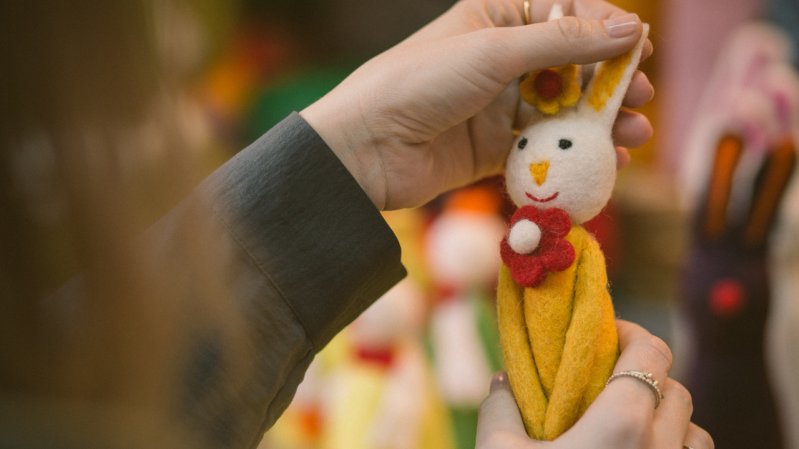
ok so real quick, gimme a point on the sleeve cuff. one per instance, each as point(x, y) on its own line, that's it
point(308, 226)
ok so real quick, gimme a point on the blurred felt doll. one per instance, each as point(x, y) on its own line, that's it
point(782, 333)
point(301, 425)
point(372, 386)
point(463, 262)
point(383, 395)
point(739, 166)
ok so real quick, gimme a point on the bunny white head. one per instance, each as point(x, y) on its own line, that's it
point(568, 160)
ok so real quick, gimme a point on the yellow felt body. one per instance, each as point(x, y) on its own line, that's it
point(562, 348)
point(348, 422)
point(519, 363)
point(547, 318)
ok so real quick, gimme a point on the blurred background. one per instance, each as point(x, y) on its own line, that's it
point(700, 236)
point(714, 74)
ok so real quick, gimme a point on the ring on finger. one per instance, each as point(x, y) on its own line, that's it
point(644, 377)
point(527, 14)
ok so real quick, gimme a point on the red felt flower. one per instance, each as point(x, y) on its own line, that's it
point(554, 252)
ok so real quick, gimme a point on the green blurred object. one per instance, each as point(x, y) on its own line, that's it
point(464, 419)
point(464, 423)
point(296, 92)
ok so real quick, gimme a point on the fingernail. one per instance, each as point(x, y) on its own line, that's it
point(500, 380)
point(622, 26)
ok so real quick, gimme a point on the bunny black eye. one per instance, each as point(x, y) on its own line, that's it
point(522, 143)
point(564, 144)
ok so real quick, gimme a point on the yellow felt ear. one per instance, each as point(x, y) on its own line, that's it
point(607, 77)
point(611, 79)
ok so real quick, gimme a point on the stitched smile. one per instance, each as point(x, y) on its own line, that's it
point(542, 200)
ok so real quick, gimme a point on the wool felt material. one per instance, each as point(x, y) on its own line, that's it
point(555, 315)
point(578, 180)
point(554, 252)
point(559, 339)
point(575, 145)
point(549, 90)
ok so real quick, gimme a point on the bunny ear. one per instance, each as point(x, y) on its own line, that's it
point(769, 189)
point(728, 154)
point(610, 82)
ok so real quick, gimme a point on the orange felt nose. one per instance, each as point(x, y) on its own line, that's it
point(538, 170)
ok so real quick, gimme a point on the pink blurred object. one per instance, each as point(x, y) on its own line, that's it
point(694, 32)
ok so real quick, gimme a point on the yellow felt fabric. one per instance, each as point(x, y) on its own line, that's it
point(519, 363)
point(562, 347)
point(350, 419)
point(547, 318)
point(608, 75)
point(571, 82)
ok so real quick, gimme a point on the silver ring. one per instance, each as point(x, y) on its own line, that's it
point(644, 377)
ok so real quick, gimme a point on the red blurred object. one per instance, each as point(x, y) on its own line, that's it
point(727, 298)
point(548, 84)
point(382, 358)
point(604, 228)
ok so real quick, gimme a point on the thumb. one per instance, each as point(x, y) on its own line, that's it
point(499, 417)
point(567, 40)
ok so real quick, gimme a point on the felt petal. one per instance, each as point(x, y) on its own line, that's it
point(561, 256)
point(556, 222)
point(528, 273)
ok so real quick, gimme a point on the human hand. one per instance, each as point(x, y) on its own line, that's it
point(623, 415)
point(436, 111)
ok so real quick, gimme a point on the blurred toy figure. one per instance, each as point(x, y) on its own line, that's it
point(463, 262)
point(301, 426)
point(371, 388)
point(782, 334)
point(383, 395)
point(382, 352)
point(739, 166)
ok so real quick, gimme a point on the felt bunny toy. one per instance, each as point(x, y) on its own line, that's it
point(727, 293)
point(555, 315)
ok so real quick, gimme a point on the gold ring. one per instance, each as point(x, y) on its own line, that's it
point(685, 446)
point(527, 15)
point(644, 377)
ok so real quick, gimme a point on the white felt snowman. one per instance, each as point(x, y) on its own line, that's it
point(463, 262)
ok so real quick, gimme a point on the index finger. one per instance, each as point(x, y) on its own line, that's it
point(589, 9)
